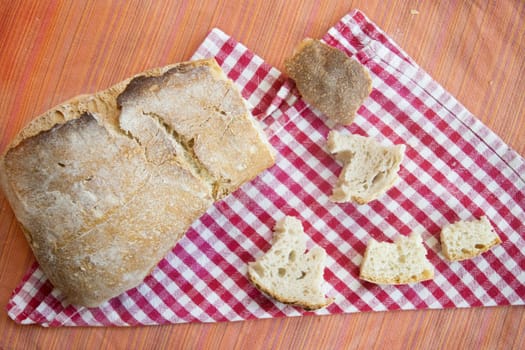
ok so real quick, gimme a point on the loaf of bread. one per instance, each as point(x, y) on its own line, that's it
point(288, 274)
point(369, 168)
point(104, 185)
point(401, 262)
point(467, 239)
point(329, 80)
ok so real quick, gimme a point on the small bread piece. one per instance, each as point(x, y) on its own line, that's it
point(288, 274)
point(401, 262)
point(104, 185)
point(329, 80)
point(369, 169)
point(467, 239)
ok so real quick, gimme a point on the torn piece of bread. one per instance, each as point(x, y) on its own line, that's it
point(104, 185)
point(467, 239)
point(329, 80)
point(369, 169)
point(288, 274)
point(401, 262)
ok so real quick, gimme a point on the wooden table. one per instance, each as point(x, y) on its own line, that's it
point(53, 50)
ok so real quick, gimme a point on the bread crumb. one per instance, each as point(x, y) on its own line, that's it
point(369, 168)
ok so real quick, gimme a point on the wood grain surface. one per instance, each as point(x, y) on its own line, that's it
point(55, 49)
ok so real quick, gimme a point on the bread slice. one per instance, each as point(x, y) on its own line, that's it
point(329, 80)
point(467, 239)
point(288, 274)
point(104, 185)
point(401, 262)
point(369, 169)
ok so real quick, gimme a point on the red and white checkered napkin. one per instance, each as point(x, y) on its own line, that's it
point(455, 168)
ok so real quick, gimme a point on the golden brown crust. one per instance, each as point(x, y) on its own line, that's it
point(217, 135)
point(469, 254)
point(103, 102)
point(103, 191)
point(329, 80)
point(95, 230)
point(283, 299)
point(424, 276)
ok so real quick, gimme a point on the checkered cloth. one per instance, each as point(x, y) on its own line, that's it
point(454, 168)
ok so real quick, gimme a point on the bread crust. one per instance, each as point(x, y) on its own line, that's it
point(104, 190)
point(329, 80)
point(283, 299)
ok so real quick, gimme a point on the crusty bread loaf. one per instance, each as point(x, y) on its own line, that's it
point(104, 185)
point(329, 80)
point(369, 169)
point(288, 274)
point(467, 239)
point(403, 261)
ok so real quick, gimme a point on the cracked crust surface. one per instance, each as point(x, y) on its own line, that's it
point(104, 185)
point(207, 117)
